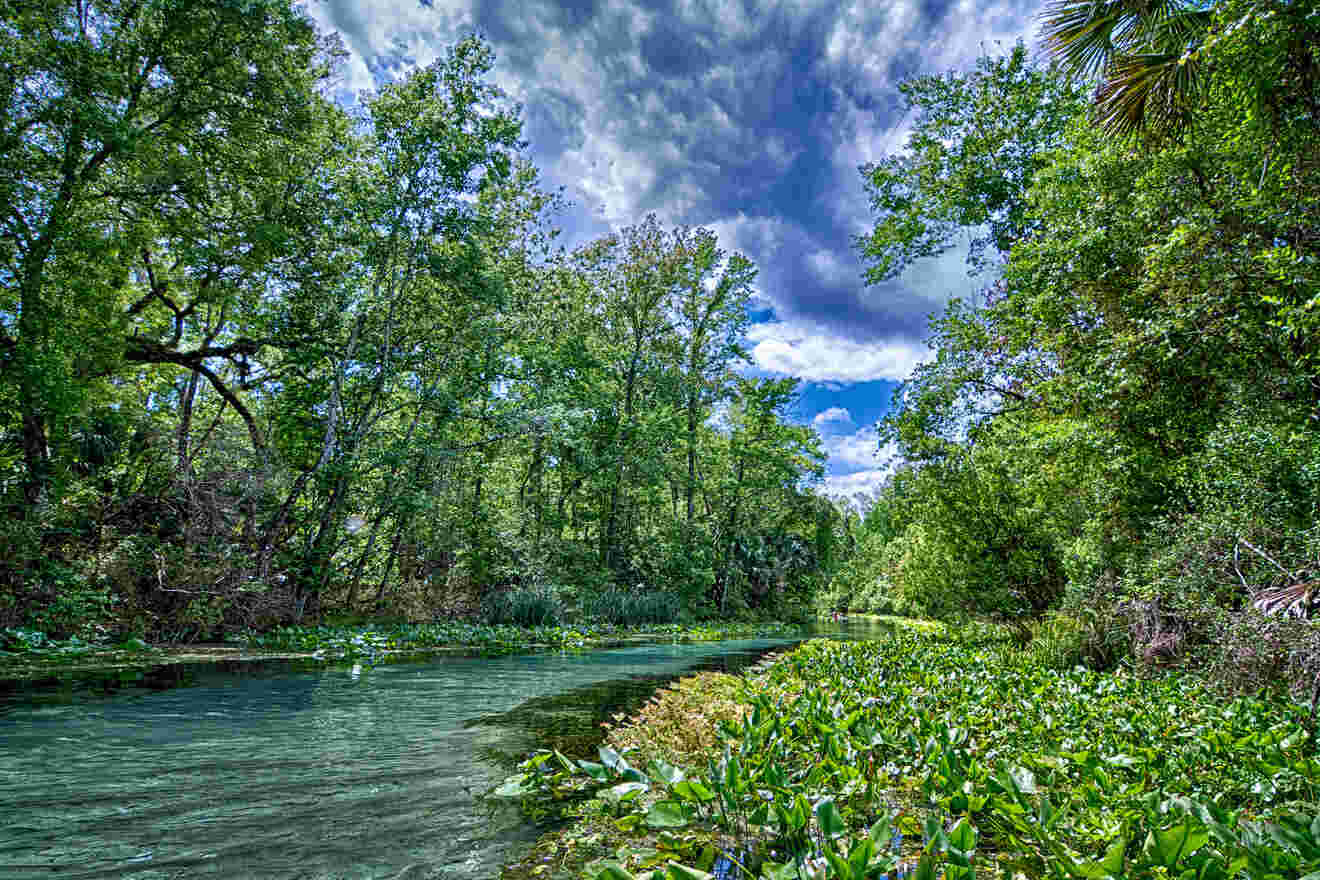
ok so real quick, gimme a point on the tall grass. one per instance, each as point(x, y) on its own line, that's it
point(626, 607)
point(525, 606)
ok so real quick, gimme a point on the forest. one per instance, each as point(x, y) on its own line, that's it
point(1120, 438)
point(318, 377)
point(266, 359)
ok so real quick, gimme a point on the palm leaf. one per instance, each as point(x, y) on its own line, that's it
point(1151, 90)
point(1143, 51)
point(1085, 35)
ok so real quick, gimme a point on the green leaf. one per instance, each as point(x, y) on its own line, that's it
point(1017, 780)
point(682, 872)
point(1167, 846)
point(963, 836)
point(594, 770)
point(665, 772)
point(827, 815)
point(1113, 860)
point(859, 857)
point(612, 871)
point(776, 871)
point(626, 791)
point(838, 866)
point(666, 814)
point(692, 790)
point(925, 868)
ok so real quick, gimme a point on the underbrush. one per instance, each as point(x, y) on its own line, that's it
point(978, 756)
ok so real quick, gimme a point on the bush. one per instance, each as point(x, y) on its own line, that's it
point(1098, 638)
point(629, 608)
point(1255, 652)
point(525, 606)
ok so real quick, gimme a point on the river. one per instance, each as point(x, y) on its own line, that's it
point(268, 770)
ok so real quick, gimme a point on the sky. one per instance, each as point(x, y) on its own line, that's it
point(749, 118)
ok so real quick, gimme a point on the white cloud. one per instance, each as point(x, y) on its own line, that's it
point(793, 348)
point(858, 451)
point(857, 465)
point(835, 418)
point(850, 486)
point(404, 27)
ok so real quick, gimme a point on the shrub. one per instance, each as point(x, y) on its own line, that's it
point(1254, 652)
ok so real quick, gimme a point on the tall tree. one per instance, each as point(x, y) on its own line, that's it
point(710, 315)
point(977, 141)
point(114, 113)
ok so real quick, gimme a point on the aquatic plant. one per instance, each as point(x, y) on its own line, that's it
point(628, 607)
point(525, 606)
point(995, 763)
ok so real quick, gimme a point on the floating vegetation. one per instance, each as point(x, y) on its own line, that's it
point(995, 764)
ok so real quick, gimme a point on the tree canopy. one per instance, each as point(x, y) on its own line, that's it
point(264, 357)
point(1130, 410)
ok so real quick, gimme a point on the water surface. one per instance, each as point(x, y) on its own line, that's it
point(271, 771)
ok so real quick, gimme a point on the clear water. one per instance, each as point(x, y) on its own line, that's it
point(271, 771)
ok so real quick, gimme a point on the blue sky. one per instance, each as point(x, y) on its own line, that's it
point(750, 118)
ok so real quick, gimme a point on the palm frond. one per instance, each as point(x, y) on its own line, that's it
point(1084, 35)
point(1152, 90)
point(1291, 600)
point(1143, 52)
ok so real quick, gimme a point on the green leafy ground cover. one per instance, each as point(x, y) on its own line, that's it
point(982, 760)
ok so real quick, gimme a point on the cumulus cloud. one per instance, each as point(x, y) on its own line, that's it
point(717, 112)
point(856, 488)
point(836, 418)
point(857, 451)
point(858, 465)
point(817, 355)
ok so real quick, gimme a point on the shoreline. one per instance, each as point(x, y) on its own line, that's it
point(29, 667)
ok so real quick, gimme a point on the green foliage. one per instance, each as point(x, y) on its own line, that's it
point(266, 358)
point(996, 763)
point(1125, 421)
point(523, 606)
point(632, 607)
point(977, 140)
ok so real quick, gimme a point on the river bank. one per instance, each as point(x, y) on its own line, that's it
point(370, 643)
point(934, 753)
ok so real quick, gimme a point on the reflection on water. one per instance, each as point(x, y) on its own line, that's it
point(275, 770)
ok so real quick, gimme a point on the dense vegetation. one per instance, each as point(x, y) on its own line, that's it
point(943, 755)
point(265, 359)
point(1127, 426)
